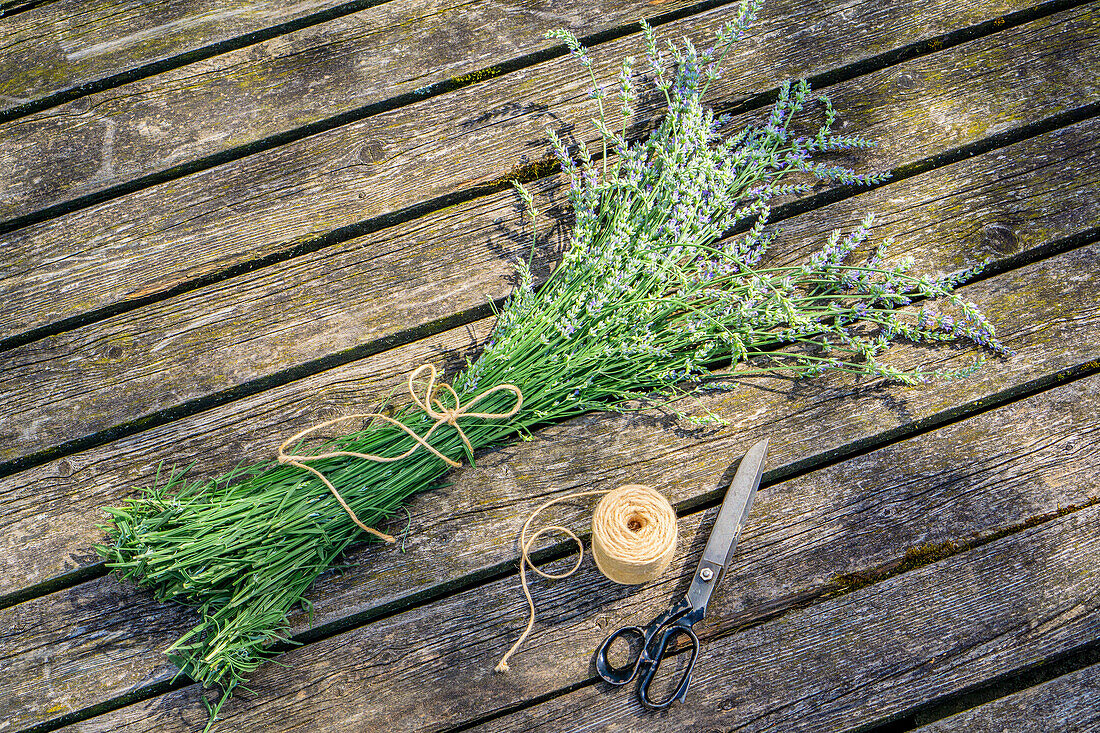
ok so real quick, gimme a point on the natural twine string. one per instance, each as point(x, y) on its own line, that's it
point(633, 540)
point(432, 406)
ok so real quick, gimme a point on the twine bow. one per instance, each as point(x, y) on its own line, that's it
point(432, 406)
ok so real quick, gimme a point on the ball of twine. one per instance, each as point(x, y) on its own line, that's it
point(633, 534)
point(633, 540)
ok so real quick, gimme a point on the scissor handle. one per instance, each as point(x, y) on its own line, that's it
point(620, 675)
point(654, 663)
point(645, 635)
point(653, 640)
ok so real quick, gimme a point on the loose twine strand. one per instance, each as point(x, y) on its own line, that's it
point(432, 406)
point(633, 540)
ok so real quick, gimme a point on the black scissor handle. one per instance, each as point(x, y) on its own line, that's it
point(657, 657)
point(620, 675)
point(645, 636)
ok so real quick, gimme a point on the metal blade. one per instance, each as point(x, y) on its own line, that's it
point(727, 527)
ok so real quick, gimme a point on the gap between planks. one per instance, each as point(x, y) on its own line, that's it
point(1066, 703)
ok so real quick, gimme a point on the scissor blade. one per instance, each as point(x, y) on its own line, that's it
point(727, 527)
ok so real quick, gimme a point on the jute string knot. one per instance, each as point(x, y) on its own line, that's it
point(633, 540)
point(432, 406)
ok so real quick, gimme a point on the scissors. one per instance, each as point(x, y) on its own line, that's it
point(684, 614)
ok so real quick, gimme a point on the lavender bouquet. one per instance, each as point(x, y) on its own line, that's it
point(665, 278)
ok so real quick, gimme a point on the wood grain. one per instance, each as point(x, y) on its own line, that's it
point(1025, 198)
point(1068, 704)
point(221, 337)
point(466, 529)
point(378, 54)
point(62, 45)
point(431, 667)
point(162, 237)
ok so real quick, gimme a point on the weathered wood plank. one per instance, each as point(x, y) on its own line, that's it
point(1018, 199)
point(378, 54)
point(92, 383)
point(1070, 703)
point(158, 238)
point(60, 46)
point(431, 667)
point(869, 521)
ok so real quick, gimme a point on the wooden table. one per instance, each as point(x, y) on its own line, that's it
point(225, 221)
